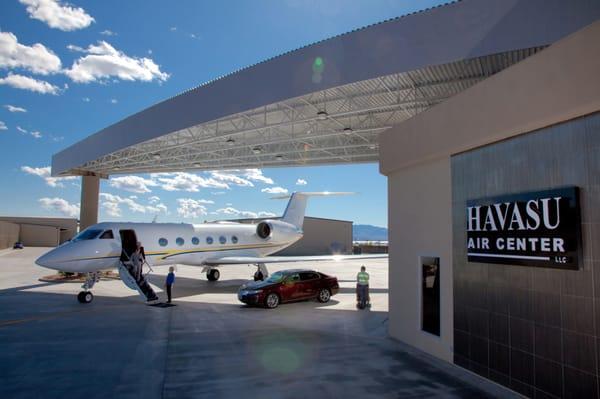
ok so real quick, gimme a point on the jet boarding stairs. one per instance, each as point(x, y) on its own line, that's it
point(140, 285)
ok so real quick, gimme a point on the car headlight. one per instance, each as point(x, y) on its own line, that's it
point(254, 292)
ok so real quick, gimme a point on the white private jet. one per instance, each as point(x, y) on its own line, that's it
point(209, 245)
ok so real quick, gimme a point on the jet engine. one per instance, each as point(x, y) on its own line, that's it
point(264, 230)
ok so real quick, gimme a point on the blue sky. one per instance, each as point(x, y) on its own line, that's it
point(69, 69)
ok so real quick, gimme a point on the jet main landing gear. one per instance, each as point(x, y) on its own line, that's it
point(86, 296)
point(213, 275)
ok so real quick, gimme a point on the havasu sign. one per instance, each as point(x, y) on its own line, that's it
point(533, 229)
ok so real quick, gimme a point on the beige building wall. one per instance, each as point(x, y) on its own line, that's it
point(43, 231)
point(9, 234)
point(560, 83)
point(33, 235)
point(323, 237)
point(420, 224)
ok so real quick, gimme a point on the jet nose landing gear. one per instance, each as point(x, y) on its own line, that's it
point(86, 296)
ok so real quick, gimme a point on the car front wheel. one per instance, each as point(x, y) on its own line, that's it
point(272, 301)
point(324, 295)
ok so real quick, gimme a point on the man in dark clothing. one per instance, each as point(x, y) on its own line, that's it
point(169, 282)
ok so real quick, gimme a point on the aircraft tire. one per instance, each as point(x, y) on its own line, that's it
point(85, 297)
point(213, 275)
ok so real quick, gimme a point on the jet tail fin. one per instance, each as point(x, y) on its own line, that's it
point(296, 207)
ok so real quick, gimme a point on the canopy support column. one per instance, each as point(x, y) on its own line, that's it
point(90, 190)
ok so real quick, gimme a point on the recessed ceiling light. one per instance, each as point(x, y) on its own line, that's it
point(197, 165)
point(322, 115)
point(279, 157)
point(230, 141)
point(156, 156)
point(257, 150)
point(116, 168)
point(347, 130)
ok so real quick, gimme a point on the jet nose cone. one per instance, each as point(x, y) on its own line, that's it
point(48, 260)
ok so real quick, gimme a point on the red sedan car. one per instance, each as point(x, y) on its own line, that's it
point(289, 286)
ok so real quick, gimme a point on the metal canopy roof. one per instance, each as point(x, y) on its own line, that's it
point(333, 126)
point(327, 103)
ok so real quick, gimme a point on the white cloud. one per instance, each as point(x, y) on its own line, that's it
point(3, 126)
point(86, 99)
point(191, 208)
point(73, 47)
point(44, 173)
point(20, 129)
point(134, 184)
point(103, 61)
point(182, 181)
point(242, 178)
point(231, 178)
point(56, 15)
point(173, 28)
point(133, 196)
point(36, 134)
point(27, 83)
point(158, 208)
point(301, 182)
point(112, 205)
point(218, 193)
point(150, 51)
point(113, 101)
point(108, 32)
point(274, 190)
point(229, 211)
point(36, 58)
point(154, 199)
point(12, 108)
point(257, 175)
point(60, 205)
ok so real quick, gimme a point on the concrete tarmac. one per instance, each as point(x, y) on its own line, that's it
point(209, 345)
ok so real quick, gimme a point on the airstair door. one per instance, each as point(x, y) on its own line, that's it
point(129, 271)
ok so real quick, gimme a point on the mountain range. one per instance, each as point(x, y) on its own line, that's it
point(367, 232)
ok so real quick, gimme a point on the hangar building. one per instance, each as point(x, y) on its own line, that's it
point(485, 117)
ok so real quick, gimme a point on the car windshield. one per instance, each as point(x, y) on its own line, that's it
point(87, 235)
point(276, 277)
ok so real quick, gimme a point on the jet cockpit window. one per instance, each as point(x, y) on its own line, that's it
point(107, 235)
point(87, 235)
point(222, 240)
point(179, 241)
point(209, 240)
point(163, 242)
point(195, 240)
point(234, 239)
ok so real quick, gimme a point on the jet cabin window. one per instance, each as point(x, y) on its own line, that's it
point(107, 235)
point(209, 240)
point(195, 240)
point(179, 241)
point(87, 235)
point(163, 242)
point(234, 239)
point(222, 240)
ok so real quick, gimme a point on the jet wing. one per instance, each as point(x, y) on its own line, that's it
point(245, 260)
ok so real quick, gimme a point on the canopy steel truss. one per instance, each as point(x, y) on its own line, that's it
point(333, 126)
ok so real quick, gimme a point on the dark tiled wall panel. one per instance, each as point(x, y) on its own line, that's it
point(534, 330)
